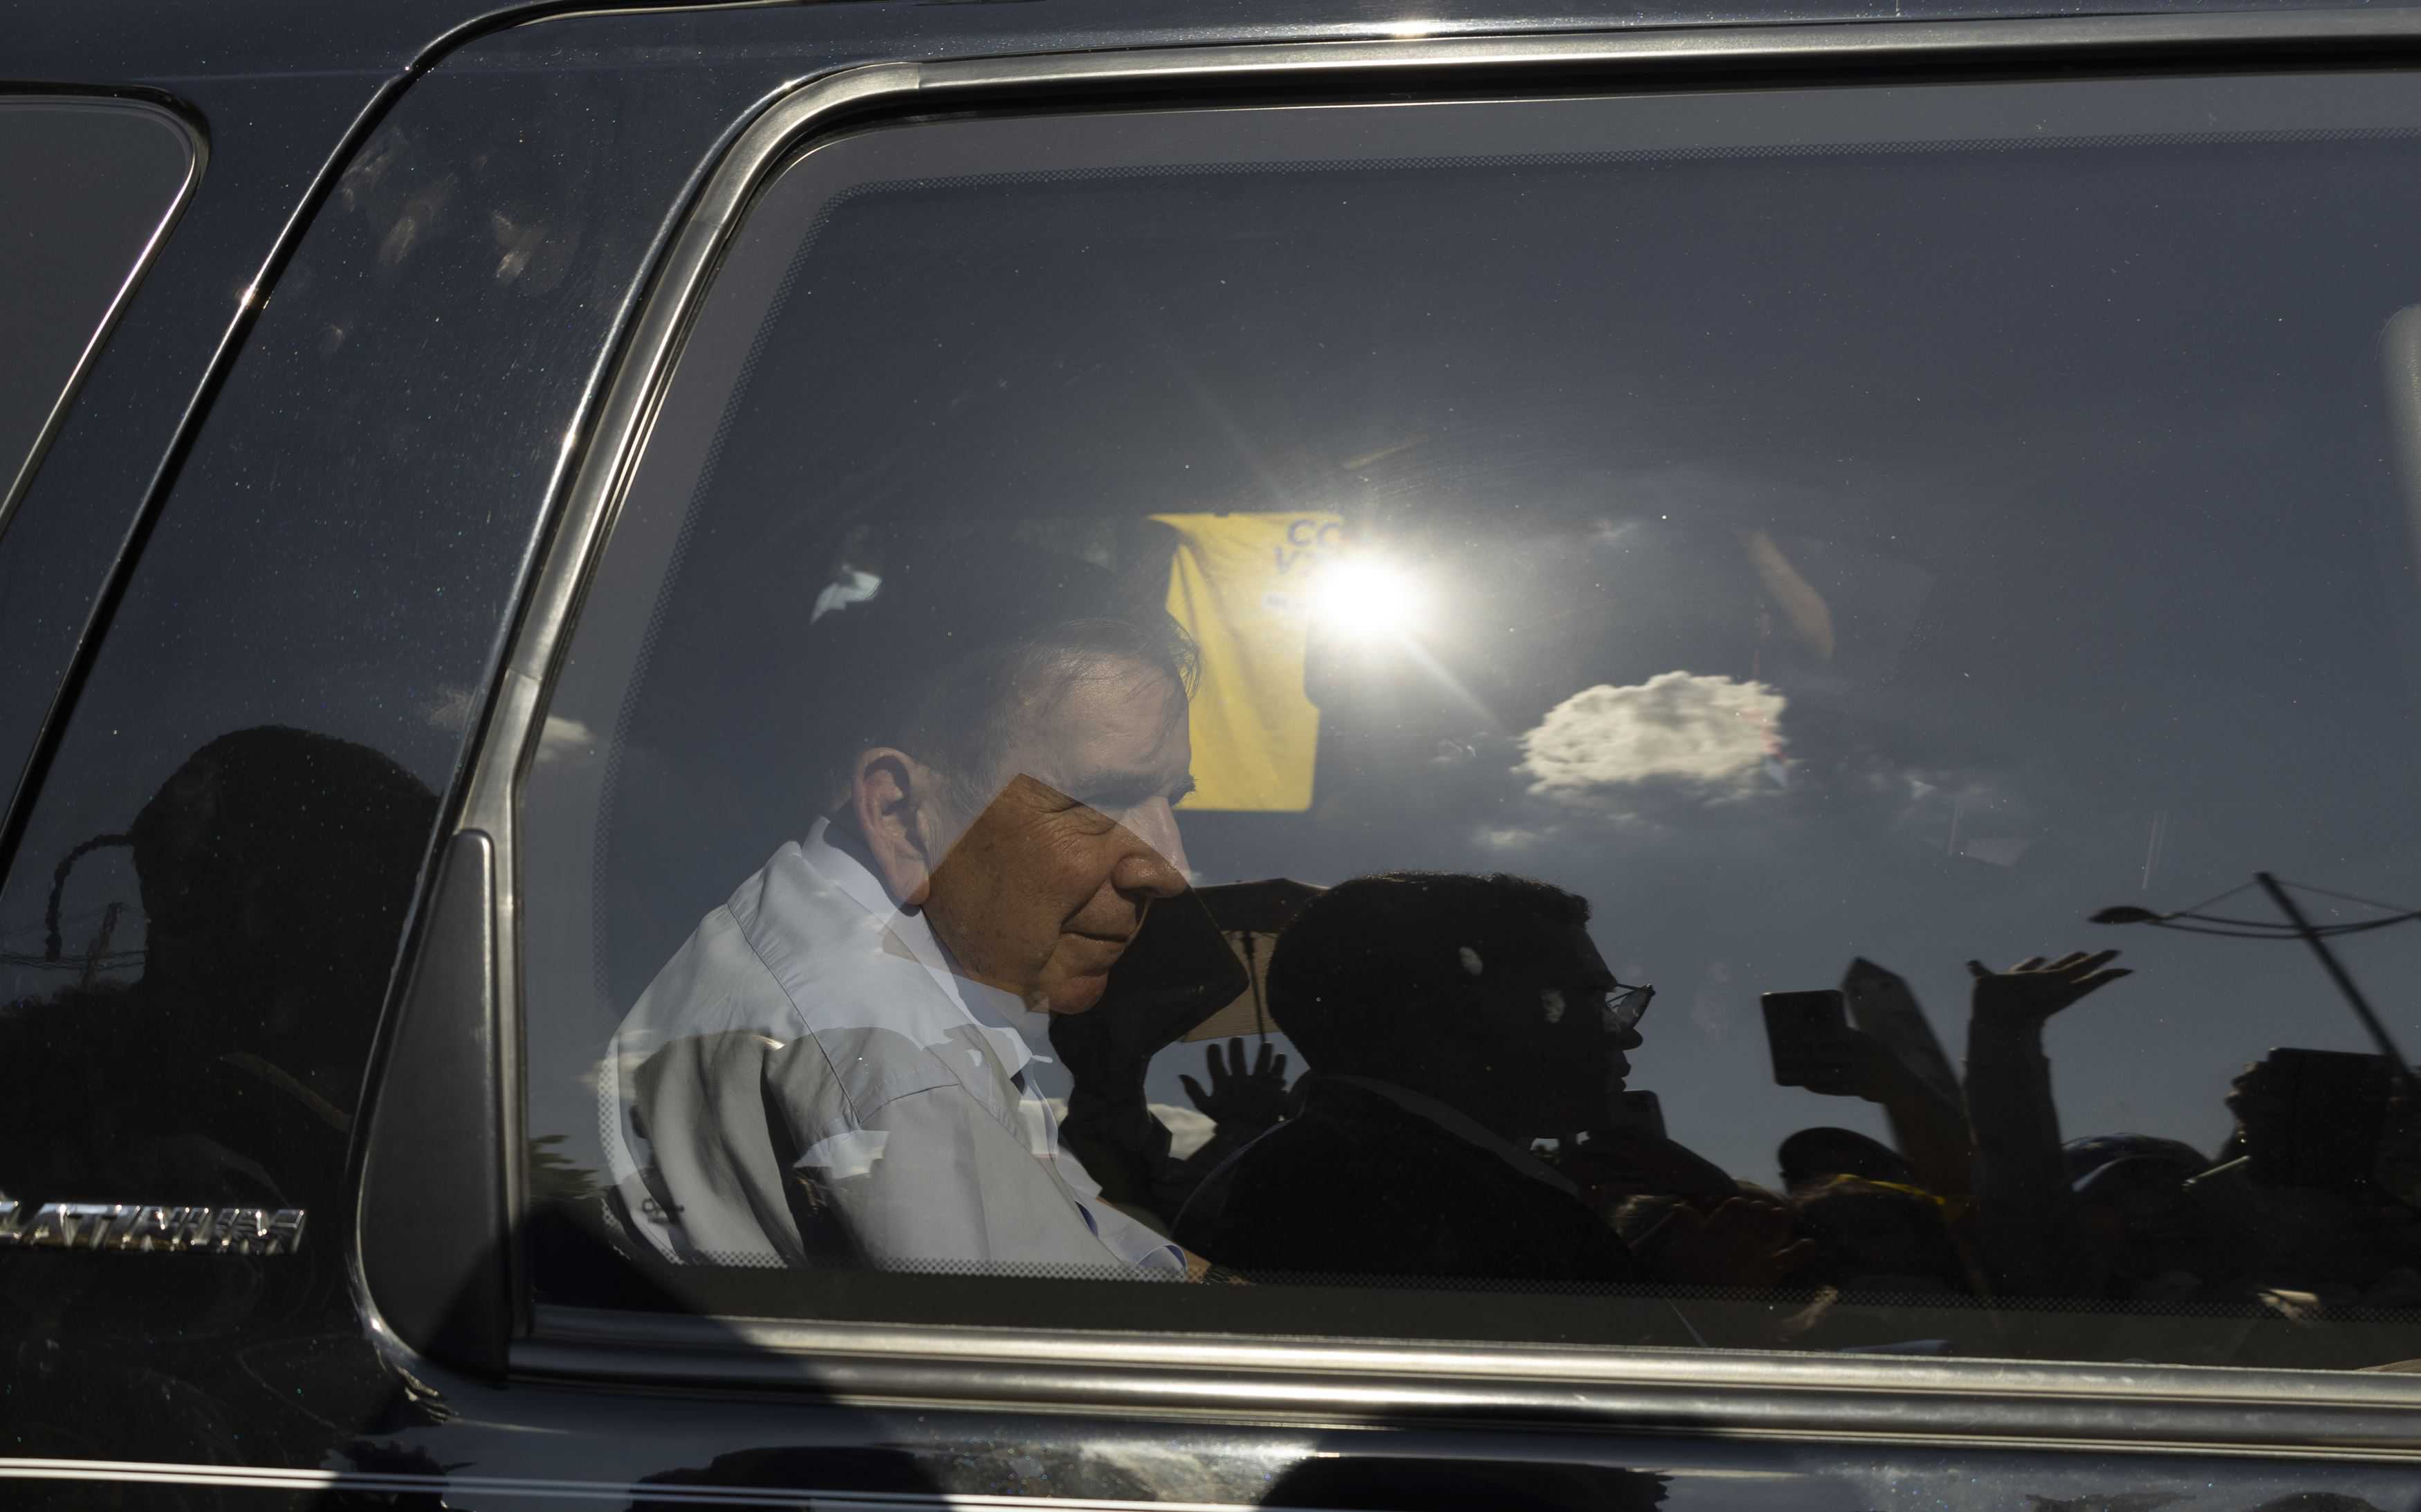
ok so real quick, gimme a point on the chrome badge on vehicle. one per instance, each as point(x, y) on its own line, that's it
point(133, 1225)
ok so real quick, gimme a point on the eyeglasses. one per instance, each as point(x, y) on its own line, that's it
point(1625, 1006)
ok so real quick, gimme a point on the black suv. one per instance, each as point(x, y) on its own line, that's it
point(899, 754)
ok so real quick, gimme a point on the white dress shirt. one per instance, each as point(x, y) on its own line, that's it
point(807, 1082)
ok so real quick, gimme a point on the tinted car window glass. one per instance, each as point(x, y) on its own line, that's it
point(1164, 689)
point(86, 189)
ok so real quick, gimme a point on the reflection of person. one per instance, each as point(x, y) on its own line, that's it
point(275, 868)
point(2300, 1206)
point(1447, 1019)
point(1812, 1157)
point(1878, 1238)
point(2152, 1239)
point(2027, 1223)
point(832, 1067)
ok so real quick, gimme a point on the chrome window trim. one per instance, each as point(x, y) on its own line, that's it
point(1827, 1398)
point(1804, 1396)
point(198, 153)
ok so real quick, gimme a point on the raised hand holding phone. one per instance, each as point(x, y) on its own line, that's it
point(1814, 1046)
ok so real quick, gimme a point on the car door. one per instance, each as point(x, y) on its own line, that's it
point(1832, 522)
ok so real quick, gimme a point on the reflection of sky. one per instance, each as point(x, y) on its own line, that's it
point(2078, 449)
point(1920, 834)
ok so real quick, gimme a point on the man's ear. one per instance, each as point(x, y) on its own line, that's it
point(889, 796)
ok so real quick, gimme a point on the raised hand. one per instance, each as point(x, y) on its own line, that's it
point(1239, 1098)
point(2034, 988)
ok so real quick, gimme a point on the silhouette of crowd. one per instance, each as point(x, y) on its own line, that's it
point(1459, 1116)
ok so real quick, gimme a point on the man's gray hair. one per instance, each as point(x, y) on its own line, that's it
point(953, 654)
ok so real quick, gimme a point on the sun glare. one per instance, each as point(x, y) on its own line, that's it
point(1369, 599)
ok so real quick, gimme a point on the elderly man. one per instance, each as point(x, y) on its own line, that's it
point(832, 1070)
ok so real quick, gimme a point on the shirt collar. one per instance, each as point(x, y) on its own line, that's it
point(1017, 1034)
point(1463, 1126)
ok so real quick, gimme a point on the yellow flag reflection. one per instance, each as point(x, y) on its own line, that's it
point(1241, 585)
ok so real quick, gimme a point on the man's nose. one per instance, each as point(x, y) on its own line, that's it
point(1630, 1038)
point(1159, 870)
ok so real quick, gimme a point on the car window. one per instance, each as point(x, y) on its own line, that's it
point(1644, 719)
point(86, 187)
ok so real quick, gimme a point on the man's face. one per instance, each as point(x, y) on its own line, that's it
point(1559, 1013)
point(1595, 982)
point(1042, 894)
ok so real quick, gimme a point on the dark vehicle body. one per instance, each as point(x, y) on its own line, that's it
point(309, 481)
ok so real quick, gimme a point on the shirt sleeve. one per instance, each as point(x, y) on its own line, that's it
point(928, 1178)
point(707, 1178)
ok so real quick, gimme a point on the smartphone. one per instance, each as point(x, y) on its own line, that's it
point(1800, 1027)
point(2332, 1105)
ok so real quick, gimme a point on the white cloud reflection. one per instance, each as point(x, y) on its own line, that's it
point(1708, 735)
